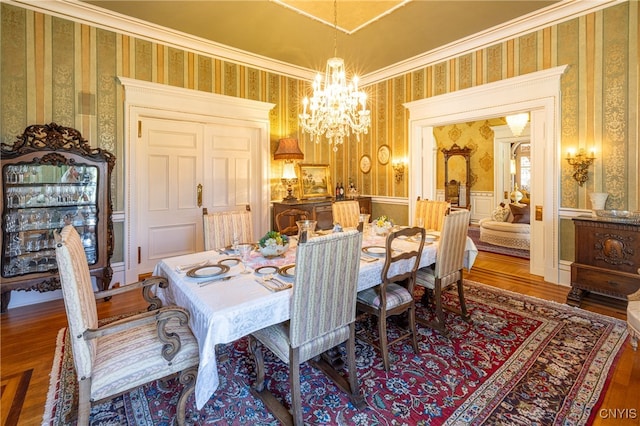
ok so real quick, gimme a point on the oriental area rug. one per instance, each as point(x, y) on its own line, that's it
point(520, 360)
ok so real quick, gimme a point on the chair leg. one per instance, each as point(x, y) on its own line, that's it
point(258, 385)
point(294, 381)
point(463, 304)
point(382, 339)
point(357, 399)
point(188, 379)
point(439, 321)
point(412, 327)
point(84, 401)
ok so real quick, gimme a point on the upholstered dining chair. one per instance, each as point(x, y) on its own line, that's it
point(286, 220)
point(346, 213)
point(448, 269)
point(390, 297)
point(432, 213)
point(220, 227)
point(323, 307)
point(125, 354)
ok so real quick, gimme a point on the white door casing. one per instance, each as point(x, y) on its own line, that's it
point(539, 93)
point(216, 114)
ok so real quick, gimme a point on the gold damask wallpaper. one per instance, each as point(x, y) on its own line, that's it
point(57, 70)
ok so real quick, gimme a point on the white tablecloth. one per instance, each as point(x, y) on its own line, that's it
point(225, 311)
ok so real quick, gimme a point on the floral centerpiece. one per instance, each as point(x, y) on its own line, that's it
point(382, 225)
point(273, 244)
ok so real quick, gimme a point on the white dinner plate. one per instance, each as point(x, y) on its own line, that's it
point(430, 238)
point(288, 271)
point(377, 251)
point(266, 270)
point(229, 261)
point(207, 271)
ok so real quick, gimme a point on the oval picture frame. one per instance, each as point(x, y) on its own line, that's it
point(365, 164)
point(384, 154)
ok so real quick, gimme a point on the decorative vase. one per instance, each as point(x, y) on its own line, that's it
point(598, 201)
point(273, 250)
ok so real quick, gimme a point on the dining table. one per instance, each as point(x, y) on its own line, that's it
point(228, 299)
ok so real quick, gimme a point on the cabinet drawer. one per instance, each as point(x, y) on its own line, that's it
point(608, 282)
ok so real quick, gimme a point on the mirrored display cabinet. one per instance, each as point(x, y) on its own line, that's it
point(52, 177)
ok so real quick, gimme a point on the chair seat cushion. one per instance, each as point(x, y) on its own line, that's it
point(276, 338)
point(425, 277)
point(133, 357)
point(396, 295)
point(633, 315)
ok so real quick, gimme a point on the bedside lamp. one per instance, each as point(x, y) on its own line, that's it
point(288, 150)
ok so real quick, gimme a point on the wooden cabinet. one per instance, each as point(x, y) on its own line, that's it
point(607, 260)
point(319, 210)
point(52, 177)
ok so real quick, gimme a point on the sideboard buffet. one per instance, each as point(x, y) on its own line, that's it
point(51, 177)
point(607, 260)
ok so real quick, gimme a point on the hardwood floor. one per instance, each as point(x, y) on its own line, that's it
point(28, 336)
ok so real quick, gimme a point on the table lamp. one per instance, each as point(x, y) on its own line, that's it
point(288, 150)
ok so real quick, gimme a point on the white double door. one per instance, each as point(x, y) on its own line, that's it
point(181, 167)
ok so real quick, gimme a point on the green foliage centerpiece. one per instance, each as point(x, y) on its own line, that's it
point(273, 244)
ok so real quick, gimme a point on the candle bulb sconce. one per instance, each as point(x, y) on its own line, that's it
point(581, 162)
point(398, 170)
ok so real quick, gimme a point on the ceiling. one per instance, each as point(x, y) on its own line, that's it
point(371, 35)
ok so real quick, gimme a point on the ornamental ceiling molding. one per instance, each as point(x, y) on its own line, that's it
point(88, 14)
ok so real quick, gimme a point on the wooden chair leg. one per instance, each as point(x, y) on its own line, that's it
point(439, 321)
point(294, 381)
point(188, 379)
point(84, 402)
point(412, 327)
point(258, 385)
point(357, 399)
point(463, 304)
point(382, 339)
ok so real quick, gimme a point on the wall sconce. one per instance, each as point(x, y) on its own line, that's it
point(580, 163)
point(398, 169)
point(288, 150)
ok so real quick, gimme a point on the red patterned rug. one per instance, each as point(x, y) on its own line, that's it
point(520, 360)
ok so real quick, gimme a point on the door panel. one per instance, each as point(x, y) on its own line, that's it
point(169, 171)
point(174, 157)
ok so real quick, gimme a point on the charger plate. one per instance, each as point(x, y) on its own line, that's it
point(377, 251)
point(288, 271)
point(207, 271)
point(267, 269)
point(230, 261)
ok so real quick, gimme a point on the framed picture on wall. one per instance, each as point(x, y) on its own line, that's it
point(315, 181)
point(384, 154)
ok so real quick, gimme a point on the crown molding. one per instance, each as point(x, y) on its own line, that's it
point(551, 15)
point(88, 14)
point(78, 11)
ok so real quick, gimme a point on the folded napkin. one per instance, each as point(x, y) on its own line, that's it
point(190, 266)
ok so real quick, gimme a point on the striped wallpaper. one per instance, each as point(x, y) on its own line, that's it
point(57, 70)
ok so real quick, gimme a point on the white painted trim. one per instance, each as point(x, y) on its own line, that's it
point(88, 14)
point(388, 200)
point(538, 93)
point(142, 97)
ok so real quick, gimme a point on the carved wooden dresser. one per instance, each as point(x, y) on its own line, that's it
point(607, 260)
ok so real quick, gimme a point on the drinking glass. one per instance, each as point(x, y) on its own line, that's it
point(245, 253)
point(420, 223)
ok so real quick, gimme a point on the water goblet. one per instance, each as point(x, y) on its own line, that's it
point(420, 223)
point(245, 253)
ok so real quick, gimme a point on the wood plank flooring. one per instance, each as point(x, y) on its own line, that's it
point(28, 337)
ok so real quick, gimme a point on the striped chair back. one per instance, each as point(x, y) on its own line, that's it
point(453, 240)
point(325, 288)
point(219, 228)
point(432, 213)
point(79, 300)
point(346, 213)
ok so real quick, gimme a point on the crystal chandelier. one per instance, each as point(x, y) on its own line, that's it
point(336, 110)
